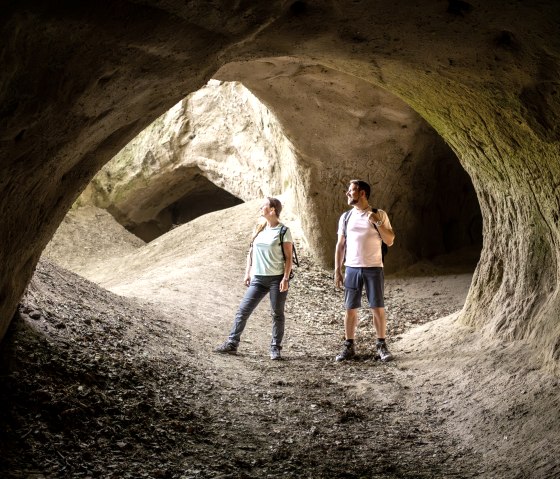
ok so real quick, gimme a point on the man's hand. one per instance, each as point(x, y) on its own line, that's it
point(247, 280)
point(374, 218)
point(338, 279)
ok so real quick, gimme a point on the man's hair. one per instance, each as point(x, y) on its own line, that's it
point(275, 203)
point(362, 186)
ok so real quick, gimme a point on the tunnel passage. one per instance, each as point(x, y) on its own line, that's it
point(77, 87)
point(203, 197)
point(343, 127)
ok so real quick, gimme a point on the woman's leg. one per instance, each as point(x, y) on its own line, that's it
point(277, 302)
point(253, 296)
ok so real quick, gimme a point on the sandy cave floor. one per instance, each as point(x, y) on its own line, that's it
point(95, 384)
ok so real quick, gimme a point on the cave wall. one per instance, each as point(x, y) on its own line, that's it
point(79, 82)
point(343, 127)
point(223, 132)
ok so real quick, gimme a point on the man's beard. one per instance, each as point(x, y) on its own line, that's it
point(353, 202)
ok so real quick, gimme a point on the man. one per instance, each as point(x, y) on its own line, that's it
point(361, 232)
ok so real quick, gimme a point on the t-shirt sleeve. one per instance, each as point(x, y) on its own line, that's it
point(340, 231)
point(288, 236)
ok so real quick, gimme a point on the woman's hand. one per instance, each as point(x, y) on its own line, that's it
point(284, 285)
point(247, 280)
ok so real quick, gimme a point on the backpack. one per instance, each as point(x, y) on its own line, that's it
point(384, 247)
point(295, 260)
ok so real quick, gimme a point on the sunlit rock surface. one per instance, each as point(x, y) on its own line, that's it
point(218, 147)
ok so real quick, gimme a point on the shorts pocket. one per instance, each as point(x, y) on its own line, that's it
point(351, 280)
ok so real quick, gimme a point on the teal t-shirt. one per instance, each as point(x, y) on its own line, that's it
point(267, 252)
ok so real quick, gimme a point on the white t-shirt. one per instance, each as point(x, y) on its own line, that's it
point(267, 252)
point(363, 241)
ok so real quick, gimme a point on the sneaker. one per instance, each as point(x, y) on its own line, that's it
point(226, 348)
point(275, 353)
point(348, 351)
point(383, 353)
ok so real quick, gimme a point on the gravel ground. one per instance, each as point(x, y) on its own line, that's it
point(95, 384)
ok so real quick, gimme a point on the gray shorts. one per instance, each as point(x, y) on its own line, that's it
point(354, 281)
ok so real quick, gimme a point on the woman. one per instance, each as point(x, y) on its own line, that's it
point(269, 263)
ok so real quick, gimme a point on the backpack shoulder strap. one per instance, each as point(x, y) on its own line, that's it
point(295, 259)
point(283, 230)
point(345, 221)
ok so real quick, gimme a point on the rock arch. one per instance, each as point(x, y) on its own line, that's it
point(81, 81)
point(223, 134)
point(219, 146)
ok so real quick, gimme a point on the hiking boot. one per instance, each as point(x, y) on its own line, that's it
point(348, 351)
point(383, 353)
point(275, 353)
point(226, 348)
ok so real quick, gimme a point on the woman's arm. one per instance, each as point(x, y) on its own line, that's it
point(247, 279)
point(287, 247)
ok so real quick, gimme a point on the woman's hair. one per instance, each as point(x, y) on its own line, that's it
point(275, 203)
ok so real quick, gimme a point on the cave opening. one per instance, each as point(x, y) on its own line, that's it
point(221, 146)
point(203, 197)
point(447, 228)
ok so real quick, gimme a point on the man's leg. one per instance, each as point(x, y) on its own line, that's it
point(352, 301)
point(375, 293)
point(350, 323)
point(379, 322)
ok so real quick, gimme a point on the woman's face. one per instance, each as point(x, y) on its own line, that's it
point(266, 210)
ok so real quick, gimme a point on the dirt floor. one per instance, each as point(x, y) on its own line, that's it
point(124, 383)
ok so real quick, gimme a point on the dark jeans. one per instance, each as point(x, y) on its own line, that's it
point(259, 287)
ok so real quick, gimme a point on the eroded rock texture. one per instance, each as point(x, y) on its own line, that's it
point(215, 149)
point(343, 127)
point(221, 140)
point(79, 81)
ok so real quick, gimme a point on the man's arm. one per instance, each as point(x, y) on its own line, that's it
point(387, 234)
point(381, 221)
point(338, 260)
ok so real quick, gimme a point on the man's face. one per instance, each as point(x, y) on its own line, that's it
point(353, 194)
